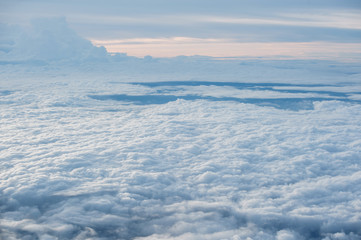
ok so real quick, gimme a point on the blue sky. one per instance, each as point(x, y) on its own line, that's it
point(257, 28)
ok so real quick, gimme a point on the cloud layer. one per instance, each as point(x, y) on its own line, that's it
point(74, 167)
point(112, 147)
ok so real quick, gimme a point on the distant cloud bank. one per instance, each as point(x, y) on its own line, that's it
point(48, 39)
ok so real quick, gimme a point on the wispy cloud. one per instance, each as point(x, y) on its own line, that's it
point(283, 27)
point(329, 19)
point(175, 40)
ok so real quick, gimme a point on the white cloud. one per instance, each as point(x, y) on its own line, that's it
point(48, 40)
point(73, 167)
point(183, 170)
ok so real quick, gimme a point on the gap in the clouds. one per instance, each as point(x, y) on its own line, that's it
point(163, 95)
point(231, 84)
point(249, 86)
point(280, 103)
point(3, 95)
point(5, 92)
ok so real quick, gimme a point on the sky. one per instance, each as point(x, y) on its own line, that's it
point(219, 28)
point(94, 146)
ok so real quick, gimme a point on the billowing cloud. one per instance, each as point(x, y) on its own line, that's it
point(46, 40)
point(75, 167)
point(185, 147)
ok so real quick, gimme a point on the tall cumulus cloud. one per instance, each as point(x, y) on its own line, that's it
point(47, 39)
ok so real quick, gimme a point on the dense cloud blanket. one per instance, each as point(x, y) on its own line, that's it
point(184, 148)
point(79, 163)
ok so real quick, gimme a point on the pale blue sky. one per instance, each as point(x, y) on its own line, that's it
point(219, 27)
